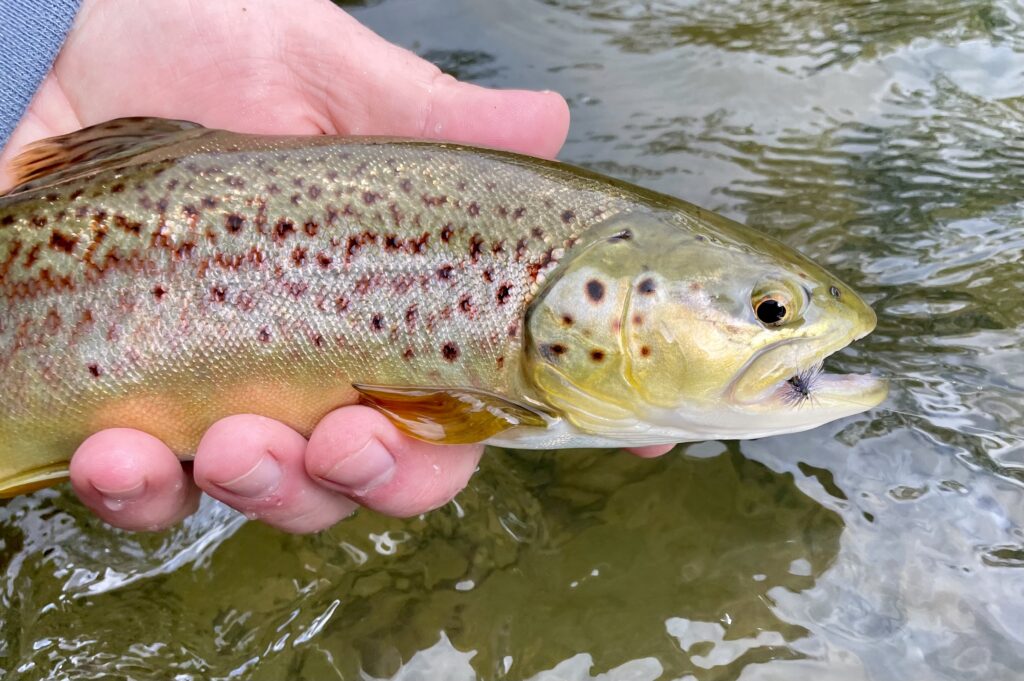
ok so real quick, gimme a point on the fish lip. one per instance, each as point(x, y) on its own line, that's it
point(826, 347)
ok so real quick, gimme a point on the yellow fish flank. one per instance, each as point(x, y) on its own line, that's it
point(159, 275)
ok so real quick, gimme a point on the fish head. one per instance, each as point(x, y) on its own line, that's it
point(682, 326)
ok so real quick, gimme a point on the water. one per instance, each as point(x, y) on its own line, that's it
point(885, 139)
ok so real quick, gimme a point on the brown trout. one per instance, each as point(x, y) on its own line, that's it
point(160, 275)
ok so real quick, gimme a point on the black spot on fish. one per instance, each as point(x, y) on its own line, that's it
point(552, 351)
point(234, 222)
point(95, 370)
point(504, 293)
point(377, 322)
point(595, 290)
point(159, 292)
point(450, 351)
point(597, 355)
point(835, 292)
point(646, 286)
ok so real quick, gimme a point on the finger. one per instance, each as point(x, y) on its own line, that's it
point(256, 465)
point(366, 85)
point(651, 451)
point(132, 480)
point(356, 451)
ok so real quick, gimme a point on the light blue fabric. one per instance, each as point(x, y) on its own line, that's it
point(31, 34)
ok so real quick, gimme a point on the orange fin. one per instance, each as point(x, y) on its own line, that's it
point(30, 481)
point(449, 415)
point(93, 149)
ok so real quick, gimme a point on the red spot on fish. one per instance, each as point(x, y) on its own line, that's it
point(94, 370)
point(446, 232)
point(473, 209)
point(408, 354)
point(159, 292)
point(504, 293)
point(450, 351)
point(299, 255)
point(283, 229)
point(264, 335)
point(476, 244)
point(445, 272)
point(218, 292)
point(377, 322)
point(310, 228)
point(341, 304)
point(324, 260)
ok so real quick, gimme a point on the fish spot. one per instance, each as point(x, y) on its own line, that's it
point(313, 192)
point(63, 242)
point(638, 319)
point(434, 201)
point(405, 185)
point(645, 351)
point(488, 275)
point(264, 335)
point(537, 233)
point(324, 260)
point(595, 290)
point(410, 314)
point(476, 244)
point(450, 351)
point(341, 304)
point(473, 209)
point(234, 223)
point(567, 216)
point(518, 213)
point(597, 355)
point(501, 362)
point(377, 322)
point(369, 198)
point(126, 225)
point(7, 220)
point(567, 320)
point(310, 228)
point(835, 292)
point(39, 220)
point(646, 286)
point(503, 294)
point(408, 354)
point(299, 256)
point(445, 272)
point(446, 233)
point(208, 202)
point(159, 292)
point(218, 293)
point(283, 229)
point(466, 304)
point(117, 188)
point(95, 370)
point(552, 351)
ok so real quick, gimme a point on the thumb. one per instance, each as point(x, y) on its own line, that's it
point(362, 84)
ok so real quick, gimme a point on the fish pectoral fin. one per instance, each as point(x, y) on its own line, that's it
point(29, 481)
point(450, 415)
point(92, 149)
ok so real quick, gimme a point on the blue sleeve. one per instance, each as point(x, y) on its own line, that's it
point(31, 34)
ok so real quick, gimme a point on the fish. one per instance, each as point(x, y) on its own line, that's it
point(161, 275)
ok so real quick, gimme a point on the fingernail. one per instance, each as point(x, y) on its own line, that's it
point(115, 499)
point(367, 469)
point(259, 481)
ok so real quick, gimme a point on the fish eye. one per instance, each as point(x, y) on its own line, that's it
point(772, 310)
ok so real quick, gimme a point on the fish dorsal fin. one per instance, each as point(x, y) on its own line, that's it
point(92, 149)
point(449, 415)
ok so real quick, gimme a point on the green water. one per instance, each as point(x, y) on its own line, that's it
point(885, 139)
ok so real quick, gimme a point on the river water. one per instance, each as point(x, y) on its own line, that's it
point(885, 139)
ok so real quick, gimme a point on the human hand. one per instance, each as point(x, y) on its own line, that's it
point(271, 66)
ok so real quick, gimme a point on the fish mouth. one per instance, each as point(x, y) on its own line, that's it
point(790, 373)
